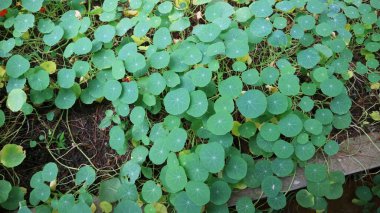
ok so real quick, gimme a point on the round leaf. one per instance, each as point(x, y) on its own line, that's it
point(12, 155)
point(252, 103)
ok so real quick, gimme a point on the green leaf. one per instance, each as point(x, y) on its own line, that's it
point(191, 56)
point(137, 115)
point(17, 66)
point(316, 6)
point(198, 104)
point(231, 87)
point(247, 129)
point(135, 62)
point(207, 32)
point(260, 27)
point(212, 156)
point(39, 80)
point(175, 178)
point(277, 103)
point(23, 22)
point(16, 99)
point(6, 46)
point(139, 154)
point(65, 99)
point(158, 152)
point(244, 205)
point(12, 155)
point(305, 151)
point(220, 123)
point(198, 192)
point(261, 8)
point(118, 69)
point(282, 167)
point(82, 46)
point(315, 172)
point(33, 5)
point(5, 189)
point(130, 171)
point(16, 195)
point(165, 7)
point(283, 149)
point(200, 76)
point(86, 175)
point(182, 203)
point(332, 87)
point(41, 193)
point(112, 90)
point(313, 126)
point(117, 139)
point(4, 5)
point(49, 172)
point(278, 202)
point(156, 84)
point(177, 101)
point(66, 78)
point(252, 104)
point(306, 104)
point(215, 49)
point(2, 119)
point(325, 116)
point(177, 139)
point(236, 48)
point(308, 58)
point(108, 190)
point(306, 22)
point(123, 26)
point(54, 36)
point(151, 192)
point(162, 38)
point(129, 93)
point(289, 85)
point(271, 186)
point(179, 24)
point(159, 60)
point(141, 28)
point(105, 33)
point(269, 131)
point(220, 192)
point(290, 125)
point(236, 168)
point(341, 104)
point(305, 198)
point(110, 5)
point(331, 148)
point(218, 10)
point(364, 193)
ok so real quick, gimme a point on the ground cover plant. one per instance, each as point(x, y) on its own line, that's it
point(202, 98)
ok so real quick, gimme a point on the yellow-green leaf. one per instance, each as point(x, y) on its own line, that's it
point(375, 115)
point(49, 66)
point(106, 207)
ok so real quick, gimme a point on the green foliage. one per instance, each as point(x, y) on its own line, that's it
point(12, 155)
point(187, 92)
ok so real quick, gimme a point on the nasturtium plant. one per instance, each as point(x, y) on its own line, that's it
point(17, 65)
point(212, 156)
point(252, 103)
point(12, 155)
point(50, 172)
point(203, 98)
point(16, 100)
point(86, 175)
point(151, 192)
point(54, 36)
point(177, 101)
